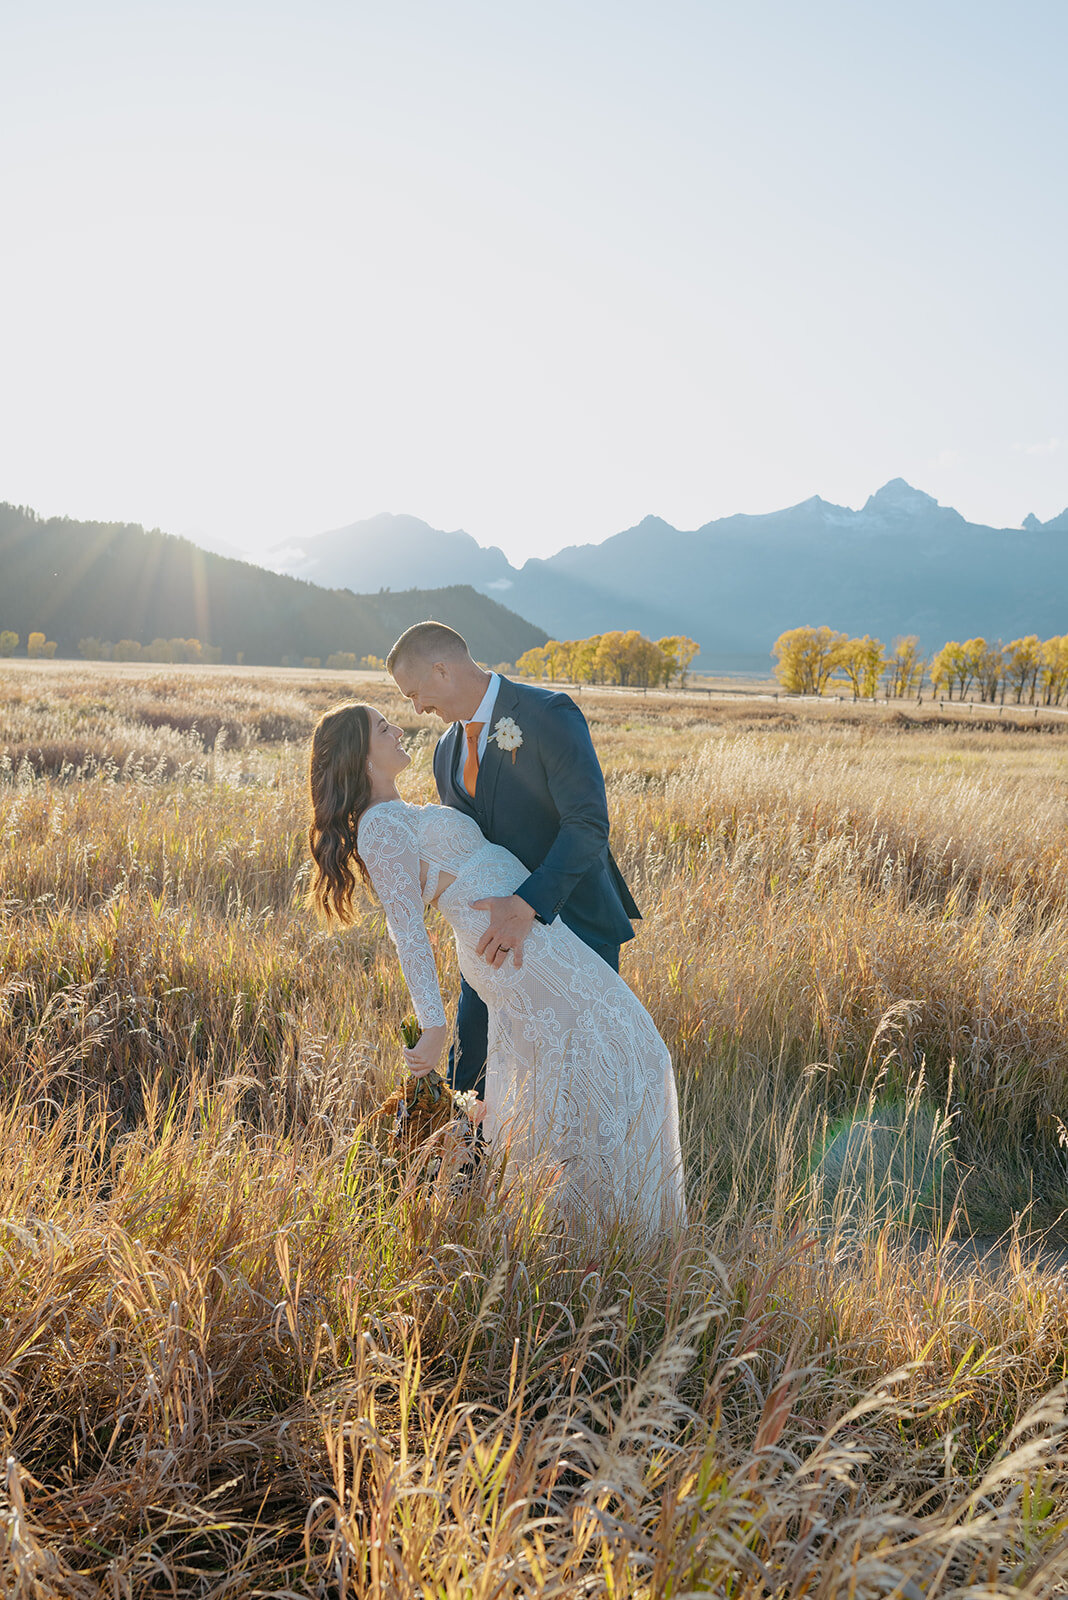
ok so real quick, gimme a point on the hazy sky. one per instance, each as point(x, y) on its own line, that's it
point(531, 269)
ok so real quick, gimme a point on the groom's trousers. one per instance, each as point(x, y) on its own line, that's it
point(467, 1053)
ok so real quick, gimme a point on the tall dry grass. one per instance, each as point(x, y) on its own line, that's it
point(241, 1354)
point(803, 892)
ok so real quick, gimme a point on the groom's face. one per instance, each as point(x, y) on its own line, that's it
point(432, 688)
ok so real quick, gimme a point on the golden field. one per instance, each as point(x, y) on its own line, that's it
point(241, 1355)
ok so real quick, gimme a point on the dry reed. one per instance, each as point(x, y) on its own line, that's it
point(239, 1355)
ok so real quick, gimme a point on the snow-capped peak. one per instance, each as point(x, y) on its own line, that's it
point(899, 497)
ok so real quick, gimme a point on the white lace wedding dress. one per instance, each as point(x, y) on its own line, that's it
point(578, 1081)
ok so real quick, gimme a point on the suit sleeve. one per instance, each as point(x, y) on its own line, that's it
point(576, 785)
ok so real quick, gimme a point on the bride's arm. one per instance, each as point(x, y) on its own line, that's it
point(390, 851)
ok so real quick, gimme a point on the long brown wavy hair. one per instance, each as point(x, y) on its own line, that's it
point(340, 792)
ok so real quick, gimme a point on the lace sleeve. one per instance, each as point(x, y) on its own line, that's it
point(390, 851)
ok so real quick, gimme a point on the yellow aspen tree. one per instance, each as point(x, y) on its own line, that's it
point(806, 657)
point(1023, 661)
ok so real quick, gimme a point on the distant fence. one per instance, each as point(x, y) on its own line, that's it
point(983, 707)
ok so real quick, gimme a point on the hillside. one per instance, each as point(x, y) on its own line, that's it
point(365, 555)
point(74, 580)
point(900, 564)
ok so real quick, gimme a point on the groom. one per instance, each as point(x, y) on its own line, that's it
point(519, 760)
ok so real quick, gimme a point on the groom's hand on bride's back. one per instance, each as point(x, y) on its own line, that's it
point(511, 919)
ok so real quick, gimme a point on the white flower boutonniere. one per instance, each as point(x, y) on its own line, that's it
point(508, 735)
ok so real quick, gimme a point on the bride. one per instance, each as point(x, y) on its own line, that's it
point(576, 1074)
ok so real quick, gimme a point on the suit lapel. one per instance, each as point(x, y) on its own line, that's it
point(455, 794)
point(489, 769)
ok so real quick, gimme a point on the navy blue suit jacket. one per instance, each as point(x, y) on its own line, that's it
point(548, 808)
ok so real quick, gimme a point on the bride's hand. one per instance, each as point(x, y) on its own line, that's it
point(424, 1056)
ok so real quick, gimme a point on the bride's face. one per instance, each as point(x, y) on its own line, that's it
point(386, 755)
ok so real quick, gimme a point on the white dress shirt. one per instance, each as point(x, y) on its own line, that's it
point(484, 714)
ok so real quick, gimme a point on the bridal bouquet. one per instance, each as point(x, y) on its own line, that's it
point(424, 1107)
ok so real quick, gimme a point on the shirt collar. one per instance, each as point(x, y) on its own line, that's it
point(486, 704)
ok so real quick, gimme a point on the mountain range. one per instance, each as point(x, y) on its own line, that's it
point(901, 564)
point(79, 580)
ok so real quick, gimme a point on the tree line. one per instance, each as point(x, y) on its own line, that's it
point(172, 650)
point(627, 660)
point(339, 661)
point(1032, 671)
point(36, 644)
point(160, 650)
point(191, 650)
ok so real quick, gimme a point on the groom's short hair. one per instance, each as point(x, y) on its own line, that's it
point(431, 641)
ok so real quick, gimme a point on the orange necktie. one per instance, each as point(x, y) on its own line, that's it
point(472, 731)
